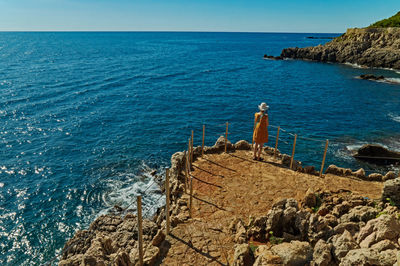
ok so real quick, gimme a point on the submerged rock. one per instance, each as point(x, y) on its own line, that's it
point(371, 77)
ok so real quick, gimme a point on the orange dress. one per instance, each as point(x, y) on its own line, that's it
point(260, 134)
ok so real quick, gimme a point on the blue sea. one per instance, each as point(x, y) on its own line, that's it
point(86, 117)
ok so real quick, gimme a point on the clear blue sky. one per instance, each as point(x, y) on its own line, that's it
point(192, 15)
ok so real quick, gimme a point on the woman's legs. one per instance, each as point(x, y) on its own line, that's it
point(260, 145)
point(257, 150)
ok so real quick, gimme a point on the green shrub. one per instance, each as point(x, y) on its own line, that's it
point(391, 202)
point(381, 213)
point(273, 239)
point(393, 21)
point(253, 248)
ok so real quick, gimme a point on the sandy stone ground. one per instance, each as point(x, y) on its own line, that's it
point(233, 185)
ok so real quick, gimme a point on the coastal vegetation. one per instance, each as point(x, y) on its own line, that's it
point(393, 21)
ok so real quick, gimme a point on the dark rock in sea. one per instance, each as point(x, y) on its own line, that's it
point(371, 77)
point(370, 47)
point(272, 57)
point(377, 154)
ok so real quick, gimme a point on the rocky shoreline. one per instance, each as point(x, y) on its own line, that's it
point(112, 239)
point(368, 47)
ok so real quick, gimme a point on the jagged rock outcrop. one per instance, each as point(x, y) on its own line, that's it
point(370, 47)
point(111, 239)
point(337, 229)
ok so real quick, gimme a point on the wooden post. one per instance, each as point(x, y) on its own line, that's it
point(323, 159)
point(186, 170)
point(191, 196)
point(202, 143)
point(189, 156)
point(276, 141)
point(294, 148)
point(140, 228)
point(167, 200)
point(226, 135)
point(191, 151)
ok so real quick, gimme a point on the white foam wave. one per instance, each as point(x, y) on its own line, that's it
point(355, 65)
point(394, 117)
point(353, 147)
point(124, 191)
point(392, 80)
point(385, 80)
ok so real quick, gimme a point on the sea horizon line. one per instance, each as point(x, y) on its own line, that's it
point(158, 31)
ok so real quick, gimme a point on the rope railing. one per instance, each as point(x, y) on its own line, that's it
point(287, 138)
point(149, 209)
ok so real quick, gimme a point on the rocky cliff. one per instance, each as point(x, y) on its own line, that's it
point(369, 47)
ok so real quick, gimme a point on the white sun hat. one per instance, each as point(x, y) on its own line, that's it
point(263, 107)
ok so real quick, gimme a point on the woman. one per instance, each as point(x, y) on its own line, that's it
point(260, 132)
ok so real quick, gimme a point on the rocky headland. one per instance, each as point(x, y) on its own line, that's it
point(376, 46)
point(367, 47)
point(255, 213)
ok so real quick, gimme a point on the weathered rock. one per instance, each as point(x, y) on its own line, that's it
point(256, 229)
point(286, 159)
point(264, 256)
point(359, 213)
point(322, 254)
point(384, 245)
point(369, 256)
point(220, 144)
point(310, 200)
point(301, 223)
point(109, 237)
point(273, 220)
point(243, 255)
point(362, 256)
point(352, 227)
point(342, 244)
point(389, 175)
point(389, 257)
point(240, 236)
point(381, 228)
point(334, 170)
point(375, 177)
point(341, 208)
point(360, 173)
point(391, 190)
point(294, 253)
point(242, 145)
point(309, 169)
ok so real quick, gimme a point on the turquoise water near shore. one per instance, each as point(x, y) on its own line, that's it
point(86, 117)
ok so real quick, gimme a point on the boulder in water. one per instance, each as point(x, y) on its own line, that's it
point(377, 154)
point(371, 77)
